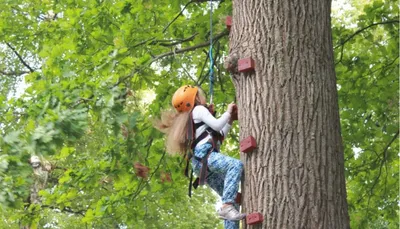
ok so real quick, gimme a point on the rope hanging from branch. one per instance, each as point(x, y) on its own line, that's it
point(211, 73)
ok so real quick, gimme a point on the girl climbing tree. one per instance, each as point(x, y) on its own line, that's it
point(194, 132)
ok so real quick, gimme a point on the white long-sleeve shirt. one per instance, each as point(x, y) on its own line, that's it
point(202, 114)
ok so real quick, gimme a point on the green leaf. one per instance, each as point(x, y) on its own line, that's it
point(11, 137)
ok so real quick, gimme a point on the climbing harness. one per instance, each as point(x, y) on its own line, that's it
point(216, 138)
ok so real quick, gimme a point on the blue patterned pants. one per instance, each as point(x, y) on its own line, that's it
point(224, 178)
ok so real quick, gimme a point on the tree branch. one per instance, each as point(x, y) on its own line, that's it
point(382, 163)
point(175, 42)
point(176, 17)
point(65, 209)
point(134, 71)
point(207, 1)
point(165, 43)
point(188, 74)
point(201, 77)
point(365, 28)
point(177, 51)
point(13, 73)
point(341, 55)
point(141, 43)
point(19, 57)
point(385, 66)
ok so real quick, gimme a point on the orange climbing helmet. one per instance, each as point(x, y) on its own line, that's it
point(184, 97)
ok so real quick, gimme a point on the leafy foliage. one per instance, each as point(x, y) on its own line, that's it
point(97, 72)
point(87, 66)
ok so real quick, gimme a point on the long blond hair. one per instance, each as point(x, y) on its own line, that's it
point(174, 124)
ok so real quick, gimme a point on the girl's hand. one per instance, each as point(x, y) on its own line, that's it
point(211, 109)
point(234, 114)
point(231, 108)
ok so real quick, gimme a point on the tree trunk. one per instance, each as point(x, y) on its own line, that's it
point(295, 177)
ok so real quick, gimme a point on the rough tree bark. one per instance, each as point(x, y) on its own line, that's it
point(295, 177)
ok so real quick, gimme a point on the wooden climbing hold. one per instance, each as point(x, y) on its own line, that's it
point(228, 22)
point(238, 198)
point(248, 144)
point(254, 218)
point(246, 64)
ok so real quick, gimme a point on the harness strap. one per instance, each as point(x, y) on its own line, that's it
point(204, 168)
point(203, 172)
point(190, 130)
point(190, 183)
point(197, 125)
point(197, 140)
point(187, 167)
point(196, 183)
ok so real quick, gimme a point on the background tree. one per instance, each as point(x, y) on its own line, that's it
point(367, 65)
point(95, 73)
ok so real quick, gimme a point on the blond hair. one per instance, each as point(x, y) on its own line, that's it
point(175, 125)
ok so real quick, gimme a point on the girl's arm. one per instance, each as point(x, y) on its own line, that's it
point(226, 129)
point(202, 113)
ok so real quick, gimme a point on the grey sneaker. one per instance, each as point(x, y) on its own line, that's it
point(230, 213)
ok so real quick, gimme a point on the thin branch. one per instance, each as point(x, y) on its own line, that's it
point(387, 65)
point(388, 145)
point(141, 43)
point(207, 1)
point(364, 166)
point(382, 163)
point(188, 74)
point(165, 43)
point(176, 17)
point(105, 42)
point(201, 77)
point(179, 41)
point(65, 209)
point(148, 145)
point(134, 71)
point(120, 80)
point(183, 50)
point(365, 28)
point(19, 57)
point(14, 73)
point(219, 77)
point(341, 55)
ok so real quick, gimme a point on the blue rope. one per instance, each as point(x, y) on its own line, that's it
point(211, 55)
